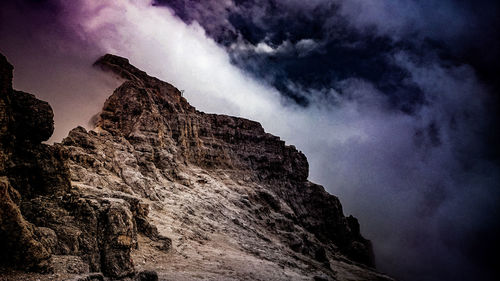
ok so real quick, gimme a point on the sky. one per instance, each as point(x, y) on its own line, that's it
point(394, 103)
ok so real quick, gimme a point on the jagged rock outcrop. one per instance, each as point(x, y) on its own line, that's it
point(213, 173)
point(158, 185)
point(165, 133)
point(27, 168)
point(45, 225)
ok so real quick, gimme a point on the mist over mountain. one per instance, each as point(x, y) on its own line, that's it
point(158, 190)
point(395, 104)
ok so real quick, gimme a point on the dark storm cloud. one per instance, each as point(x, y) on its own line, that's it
point(361, 33)
point(468, 29)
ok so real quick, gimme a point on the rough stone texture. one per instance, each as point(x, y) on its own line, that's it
point(220, 186)
point(147, 275)
point(161, 188)
point(89, 277)
point(69, 264)
point(34, 119)
point(26, 167)
point(19, 244)
point(118, 237)
point(163, 132)
point(44, 224)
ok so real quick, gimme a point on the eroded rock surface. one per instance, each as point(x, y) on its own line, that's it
point(45, 224)
point(160, 187)
point(27, 169)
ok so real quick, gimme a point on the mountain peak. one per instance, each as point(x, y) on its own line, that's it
point(120, 66)
point(141, 101)
point(146, 109)
point(155, 175)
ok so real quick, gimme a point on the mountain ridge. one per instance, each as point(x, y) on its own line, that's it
point(166, 181)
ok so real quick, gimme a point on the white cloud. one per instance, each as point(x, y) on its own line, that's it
point(156, 41)
point(262, 47)
point(358, 148)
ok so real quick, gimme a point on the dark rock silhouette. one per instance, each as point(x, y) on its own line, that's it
point(45, 225)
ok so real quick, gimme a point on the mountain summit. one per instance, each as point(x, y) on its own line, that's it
point(160, 188)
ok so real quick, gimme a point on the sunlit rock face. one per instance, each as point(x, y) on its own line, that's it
point(158, 186)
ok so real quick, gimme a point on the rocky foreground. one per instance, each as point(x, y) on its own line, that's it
point(159, 190)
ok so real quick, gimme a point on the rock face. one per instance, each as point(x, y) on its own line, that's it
point(27, 169)
point(158, 185)
point(45, 224)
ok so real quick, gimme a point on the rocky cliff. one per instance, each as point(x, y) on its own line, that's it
point(160, 186)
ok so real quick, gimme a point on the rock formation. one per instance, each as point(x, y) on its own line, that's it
point(161, 187)
point(45, 224)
